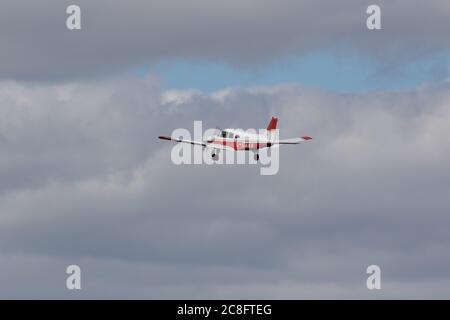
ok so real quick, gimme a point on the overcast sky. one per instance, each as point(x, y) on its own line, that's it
point(85, 181)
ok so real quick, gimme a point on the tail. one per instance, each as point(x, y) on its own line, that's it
point(272, 124)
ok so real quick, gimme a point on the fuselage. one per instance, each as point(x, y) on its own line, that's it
point(240, 140)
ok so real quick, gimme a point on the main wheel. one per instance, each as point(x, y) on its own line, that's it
point(256, 156)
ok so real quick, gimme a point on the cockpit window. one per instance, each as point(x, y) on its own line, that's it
point(230, 135)
point(224, 134)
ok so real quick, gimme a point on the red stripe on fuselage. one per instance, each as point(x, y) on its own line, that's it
point(240, 145)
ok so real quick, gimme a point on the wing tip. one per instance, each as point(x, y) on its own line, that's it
point(164, 138)
point(306, 138)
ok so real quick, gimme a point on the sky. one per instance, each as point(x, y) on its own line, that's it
point(85, 181)
point(319, 69)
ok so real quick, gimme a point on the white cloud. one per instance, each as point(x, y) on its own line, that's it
point(85, 179)
point(178, 97)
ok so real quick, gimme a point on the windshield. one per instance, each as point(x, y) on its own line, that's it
point(226, 134)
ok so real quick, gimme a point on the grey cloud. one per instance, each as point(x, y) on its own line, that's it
point(85, 181)
point(116, 36)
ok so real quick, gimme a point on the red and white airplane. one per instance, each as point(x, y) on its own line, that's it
point(237, 140)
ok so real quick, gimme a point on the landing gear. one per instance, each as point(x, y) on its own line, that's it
point(214, 156)
point(256, 156)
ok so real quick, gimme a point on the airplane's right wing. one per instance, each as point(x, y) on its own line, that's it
point(200, 143)
point(220, 146)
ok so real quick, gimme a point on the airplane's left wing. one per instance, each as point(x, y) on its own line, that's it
point(200, 143)
point(292, 140)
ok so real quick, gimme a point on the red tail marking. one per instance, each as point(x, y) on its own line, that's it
point(272, 124)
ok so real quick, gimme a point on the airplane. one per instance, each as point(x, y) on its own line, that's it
point(238, 140)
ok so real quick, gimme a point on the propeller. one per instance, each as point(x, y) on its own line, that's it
point(211, 138)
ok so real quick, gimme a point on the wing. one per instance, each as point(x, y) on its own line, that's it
point(200, 143)
point(292, 140)
point(219, 147)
